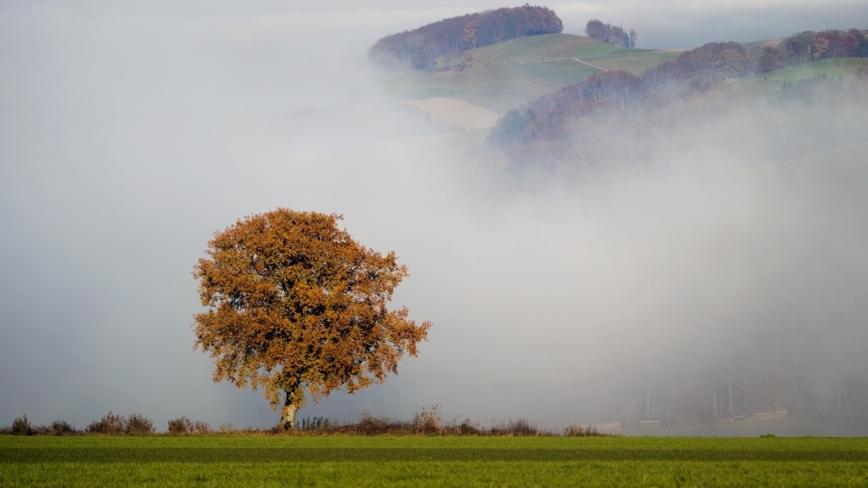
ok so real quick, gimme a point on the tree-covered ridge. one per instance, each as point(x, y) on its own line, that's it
point(546, 119)
point(420, 48)
point(813, 46)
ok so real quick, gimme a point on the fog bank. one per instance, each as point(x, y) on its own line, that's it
point(127, 140)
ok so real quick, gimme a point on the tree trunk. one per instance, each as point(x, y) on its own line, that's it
point(287, 417)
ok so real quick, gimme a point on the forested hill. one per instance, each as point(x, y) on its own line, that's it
point(546, 119)
point(420, 48)
point(548, 122)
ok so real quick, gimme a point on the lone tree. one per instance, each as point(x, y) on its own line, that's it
point(295, 304)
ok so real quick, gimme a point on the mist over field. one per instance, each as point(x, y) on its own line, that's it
point(128, 136)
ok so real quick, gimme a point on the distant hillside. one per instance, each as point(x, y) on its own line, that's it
point(420, 48)
point(545, 121)
point(561, 126)
point(506, 75)
point(812, 46)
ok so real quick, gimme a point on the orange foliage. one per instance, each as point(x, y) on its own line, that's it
point(294, 304)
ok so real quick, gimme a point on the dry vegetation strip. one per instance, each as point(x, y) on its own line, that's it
point(457, 112)
point(112, 455)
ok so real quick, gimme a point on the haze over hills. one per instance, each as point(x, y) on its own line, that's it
point(511, 73)
point(603, 116)
point(709, 264)
point(420, 48)
point(506, 75)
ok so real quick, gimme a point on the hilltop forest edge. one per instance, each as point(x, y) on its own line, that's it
point(420, 48)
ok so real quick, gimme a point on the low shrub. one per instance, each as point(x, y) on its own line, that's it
point(21, 426)
point(110, 424)
point(61, 427)
point(370, 425)
point(428, 421)
point(201, 427)
point(184, 425)
point(576, 430)
point(467, 428)
point(138, 424)
point(517, 428)
point(113, 424)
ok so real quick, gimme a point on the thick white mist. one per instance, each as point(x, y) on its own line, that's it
point(126, 139)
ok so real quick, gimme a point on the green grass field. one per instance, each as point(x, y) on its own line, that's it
point(432, 461)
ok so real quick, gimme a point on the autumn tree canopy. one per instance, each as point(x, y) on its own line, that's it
point(540, 126)
point(812, 46)
point(295, 305)
point(611, 34)
point(420, 48)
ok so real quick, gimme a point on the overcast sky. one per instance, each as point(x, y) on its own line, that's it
point(669, 24)
point(131, 131)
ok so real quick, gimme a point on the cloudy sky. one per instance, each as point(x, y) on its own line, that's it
point(131, 131)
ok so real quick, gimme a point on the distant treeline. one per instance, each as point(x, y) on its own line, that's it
point(420, 48)
point(812, 46)
point(611, 34)
point(547, 118)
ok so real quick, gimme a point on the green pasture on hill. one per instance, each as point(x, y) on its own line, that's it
point(507, 75)
point(596, 50)
point(633, 62)
point(534, 47)
point(498, 88)
point(432, 461)
point(770, 85)
point(846, 67)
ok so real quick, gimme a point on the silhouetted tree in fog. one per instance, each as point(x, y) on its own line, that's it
point(611, 34)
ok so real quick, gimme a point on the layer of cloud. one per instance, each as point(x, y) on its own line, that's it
point(129, 134)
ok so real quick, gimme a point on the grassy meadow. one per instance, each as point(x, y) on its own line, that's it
point(533, 48)
point(846, 67)
point(497, 87)
point(507, 75)
point(431, 461)
point(633, 62)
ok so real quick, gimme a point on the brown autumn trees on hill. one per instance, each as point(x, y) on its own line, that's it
point(420, 48)
point(813, 46)
point(542, 124)
point(546, 118)
point(610, 34)
point(295, 305)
